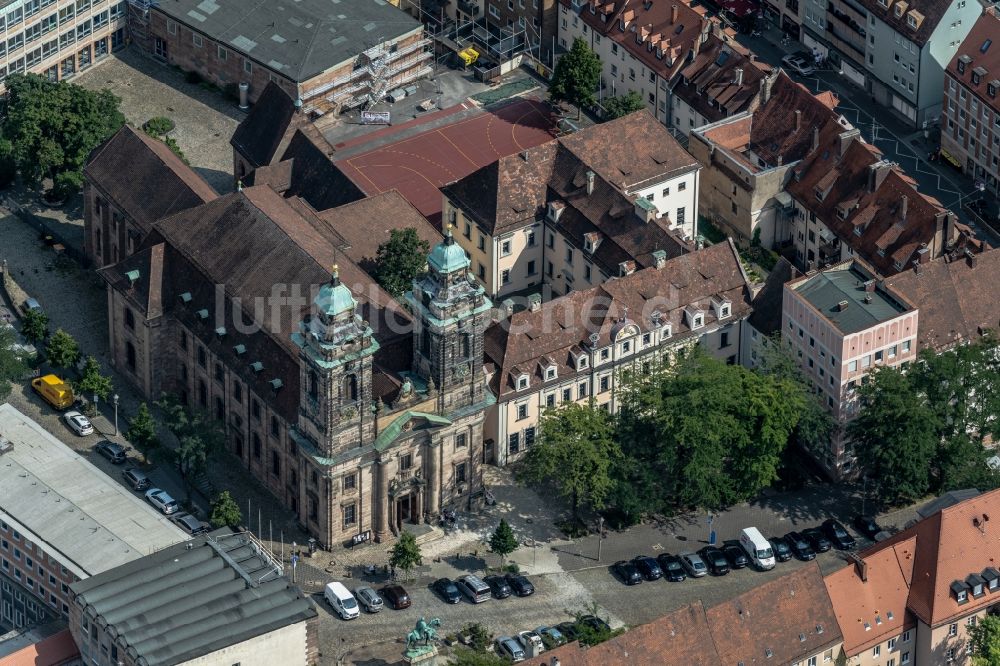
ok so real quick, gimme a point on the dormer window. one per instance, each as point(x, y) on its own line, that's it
point(820, 194)
point(860, 229)
point(992, 578)
point(960, 591)
point(550, 372)
point(976, 78)
point(898, 9)
point(991, 89)
point(722, 307)
point(976, 584)
point(581, 362)
point(843, 212)
point(202, 314)
point(694, 317)
point(665, 332)
point(522, 382)
point(911, 21)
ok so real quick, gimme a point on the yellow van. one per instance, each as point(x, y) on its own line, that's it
point(54, 391)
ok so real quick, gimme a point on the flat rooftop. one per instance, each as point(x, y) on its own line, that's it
point(828, 290)
point(299, 38)
point(69, 507)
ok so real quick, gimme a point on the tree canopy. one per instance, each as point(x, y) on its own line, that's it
point(142, 432)
point(62, 350)
point(985, 639)
point(225, 511)
point(50, 128)
point(405, 553)
point(12, 365)
point(503, 542)
point(400, 259)
point(35, 325)
point(92, 382)
point(622, 105)
point(199, 438)
point(576, 77)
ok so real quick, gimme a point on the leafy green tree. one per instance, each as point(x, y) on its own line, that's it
point(574, 453)
point(400, 259)
point(576, 77)
point(200, 438)
point(50, 128)
point(142, 432)
point(622, 105)
point(405, 553)
point(12, 365)
point(62, 350)
point(895, 436)
point(502, 541)
point(225, 511)
point(34, 326)
point(92, 382)
point(815, 424)
point(985, 639)
point(465, 657)
point(480, 637)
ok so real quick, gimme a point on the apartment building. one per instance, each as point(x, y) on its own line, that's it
point(912, 599)
point(330, 57)
point(577, 347)
point(970, 120)
point(840, 324)
point(748, 159)
point(62, 520)
point(896, 50)
point(59, 38)
point(574, 211)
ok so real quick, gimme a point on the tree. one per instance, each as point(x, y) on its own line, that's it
point(50, 128)
point(12, 364)
point(225, 511)
point(574, 453)
point(985, 640)
point(62, 350)
point(622, 105)
point(479, 636)
point(405, 553)
point(142, 432)
point(895, 436)
point(465, 657)
point(34, 326)
point(92, 381)
point(400, 259)
point(199, 438)
point(815, 425)
point(502, 541)
point(576, 77)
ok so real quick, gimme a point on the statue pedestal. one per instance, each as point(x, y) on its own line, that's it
point(425, 655)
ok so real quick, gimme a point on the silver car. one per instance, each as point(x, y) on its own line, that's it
point(162, 500)
point(694, 565)
point(369, 599)
point(189, 523)
point(509, 648)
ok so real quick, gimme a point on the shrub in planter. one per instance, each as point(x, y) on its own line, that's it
point(159, 126)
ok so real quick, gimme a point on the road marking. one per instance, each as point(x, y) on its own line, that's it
point(656, 546)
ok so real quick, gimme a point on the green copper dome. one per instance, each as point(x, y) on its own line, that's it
point(447, 256)
point(334, 298)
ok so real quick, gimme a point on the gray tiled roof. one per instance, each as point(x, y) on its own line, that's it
point(827, 290)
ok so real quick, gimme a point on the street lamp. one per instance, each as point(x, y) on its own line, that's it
point(95, 404)
point(114, 398)
point(600, 536)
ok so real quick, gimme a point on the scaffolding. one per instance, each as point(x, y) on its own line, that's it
point(138, 22)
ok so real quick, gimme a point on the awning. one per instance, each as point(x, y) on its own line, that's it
point(951, 160)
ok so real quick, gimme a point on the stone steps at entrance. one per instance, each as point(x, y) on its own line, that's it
point(424, 533)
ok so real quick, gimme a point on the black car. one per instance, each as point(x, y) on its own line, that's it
point(498, 586)
point(447, 589)
point(569, 630)
point(648, 567)
point(735, 554)
point(627, 572)
point(520, 585)
point(867, 526)
point(817, 539)
point(715, 560)
point(113, 452)
point(838, 535)
point(671, 567)
point(595, 623)
point(800, 546)
point(782, 552)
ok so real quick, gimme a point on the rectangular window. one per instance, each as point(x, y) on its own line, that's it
point(196, 39)
point(223, 54)
point(406, 461)
point(505, 276)
point(680, 215)
point(350, 482)
point(350, 514)
point(460, 473)
point(505, 248)
point(522, 411)
point(247, 66)
point(514, 443)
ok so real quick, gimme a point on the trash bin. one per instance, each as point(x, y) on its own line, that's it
point(312, 547)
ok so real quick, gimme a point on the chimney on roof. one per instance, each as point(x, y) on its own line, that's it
point(815, 143)
point(877, 173)
point(673, 14)
point(846, 138)
point(902, 208)
point(534, 302)
point(860, 567)
point(659, 258)
point(765, 88)
point(590, 182)
point(524, 155)
point(869, 286)
point(798, 119)
point(781, 158)
point(297, 104)
point(970, 257)
point(738, 76)
point(554, 661)
point(842, 305)
point(506, 308)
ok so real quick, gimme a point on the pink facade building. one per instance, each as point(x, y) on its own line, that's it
point(840, 324)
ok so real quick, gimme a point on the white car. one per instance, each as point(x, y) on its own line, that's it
point(161, 500)
point(78, 423)
point(798, 64)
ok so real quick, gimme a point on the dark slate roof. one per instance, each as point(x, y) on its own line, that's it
point(314, 176)
point(159, 183)
point(272, 119)
point(709, 83)
point(928, 14)
point(192, 599)
point(766, 316)
point(297, 38)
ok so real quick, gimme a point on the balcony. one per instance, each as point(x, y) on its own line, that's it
point(842, 39)
point(468, 7)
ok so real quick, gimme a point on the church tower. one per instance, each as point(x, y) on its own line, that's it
point(336, 350)
point(451, 314)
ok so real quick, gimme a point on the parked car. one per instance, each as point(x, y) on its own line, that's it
point(528, 638)
point(551, 637)
point(627, 572)
point(867, 526)
point(671, 567)
point(594, 623)
point(507, 647)
point(369, 599)
point(395, 596)
point(715, 559)
point(817, 539)
point(798, 64)
point(189, 523)
point(800, 546)
point(694, 565)
point(782, 552)
point(447, 589)
point(162, 500)
point(648, 567)
point(54, 391)
point(839, 535)
point(520, 585)
point(568, 630)
point(78, 423)
point(136, 478)
point(498, 586)
point(475, 589)
point(113, 452)
point(341, 601)
point(735, 555)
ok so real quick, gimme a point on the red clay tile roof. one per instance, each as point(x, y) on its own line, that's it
point(951, 544)
point(270, 123)
point(986, 29)
point(55, 650)
point(709, 82)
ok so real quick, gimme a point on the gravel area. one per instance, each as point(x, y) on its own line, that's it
point(205, 119)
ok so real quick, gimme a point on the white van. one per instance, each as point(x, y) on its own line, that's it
point(342, 601)
point(757, 547)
